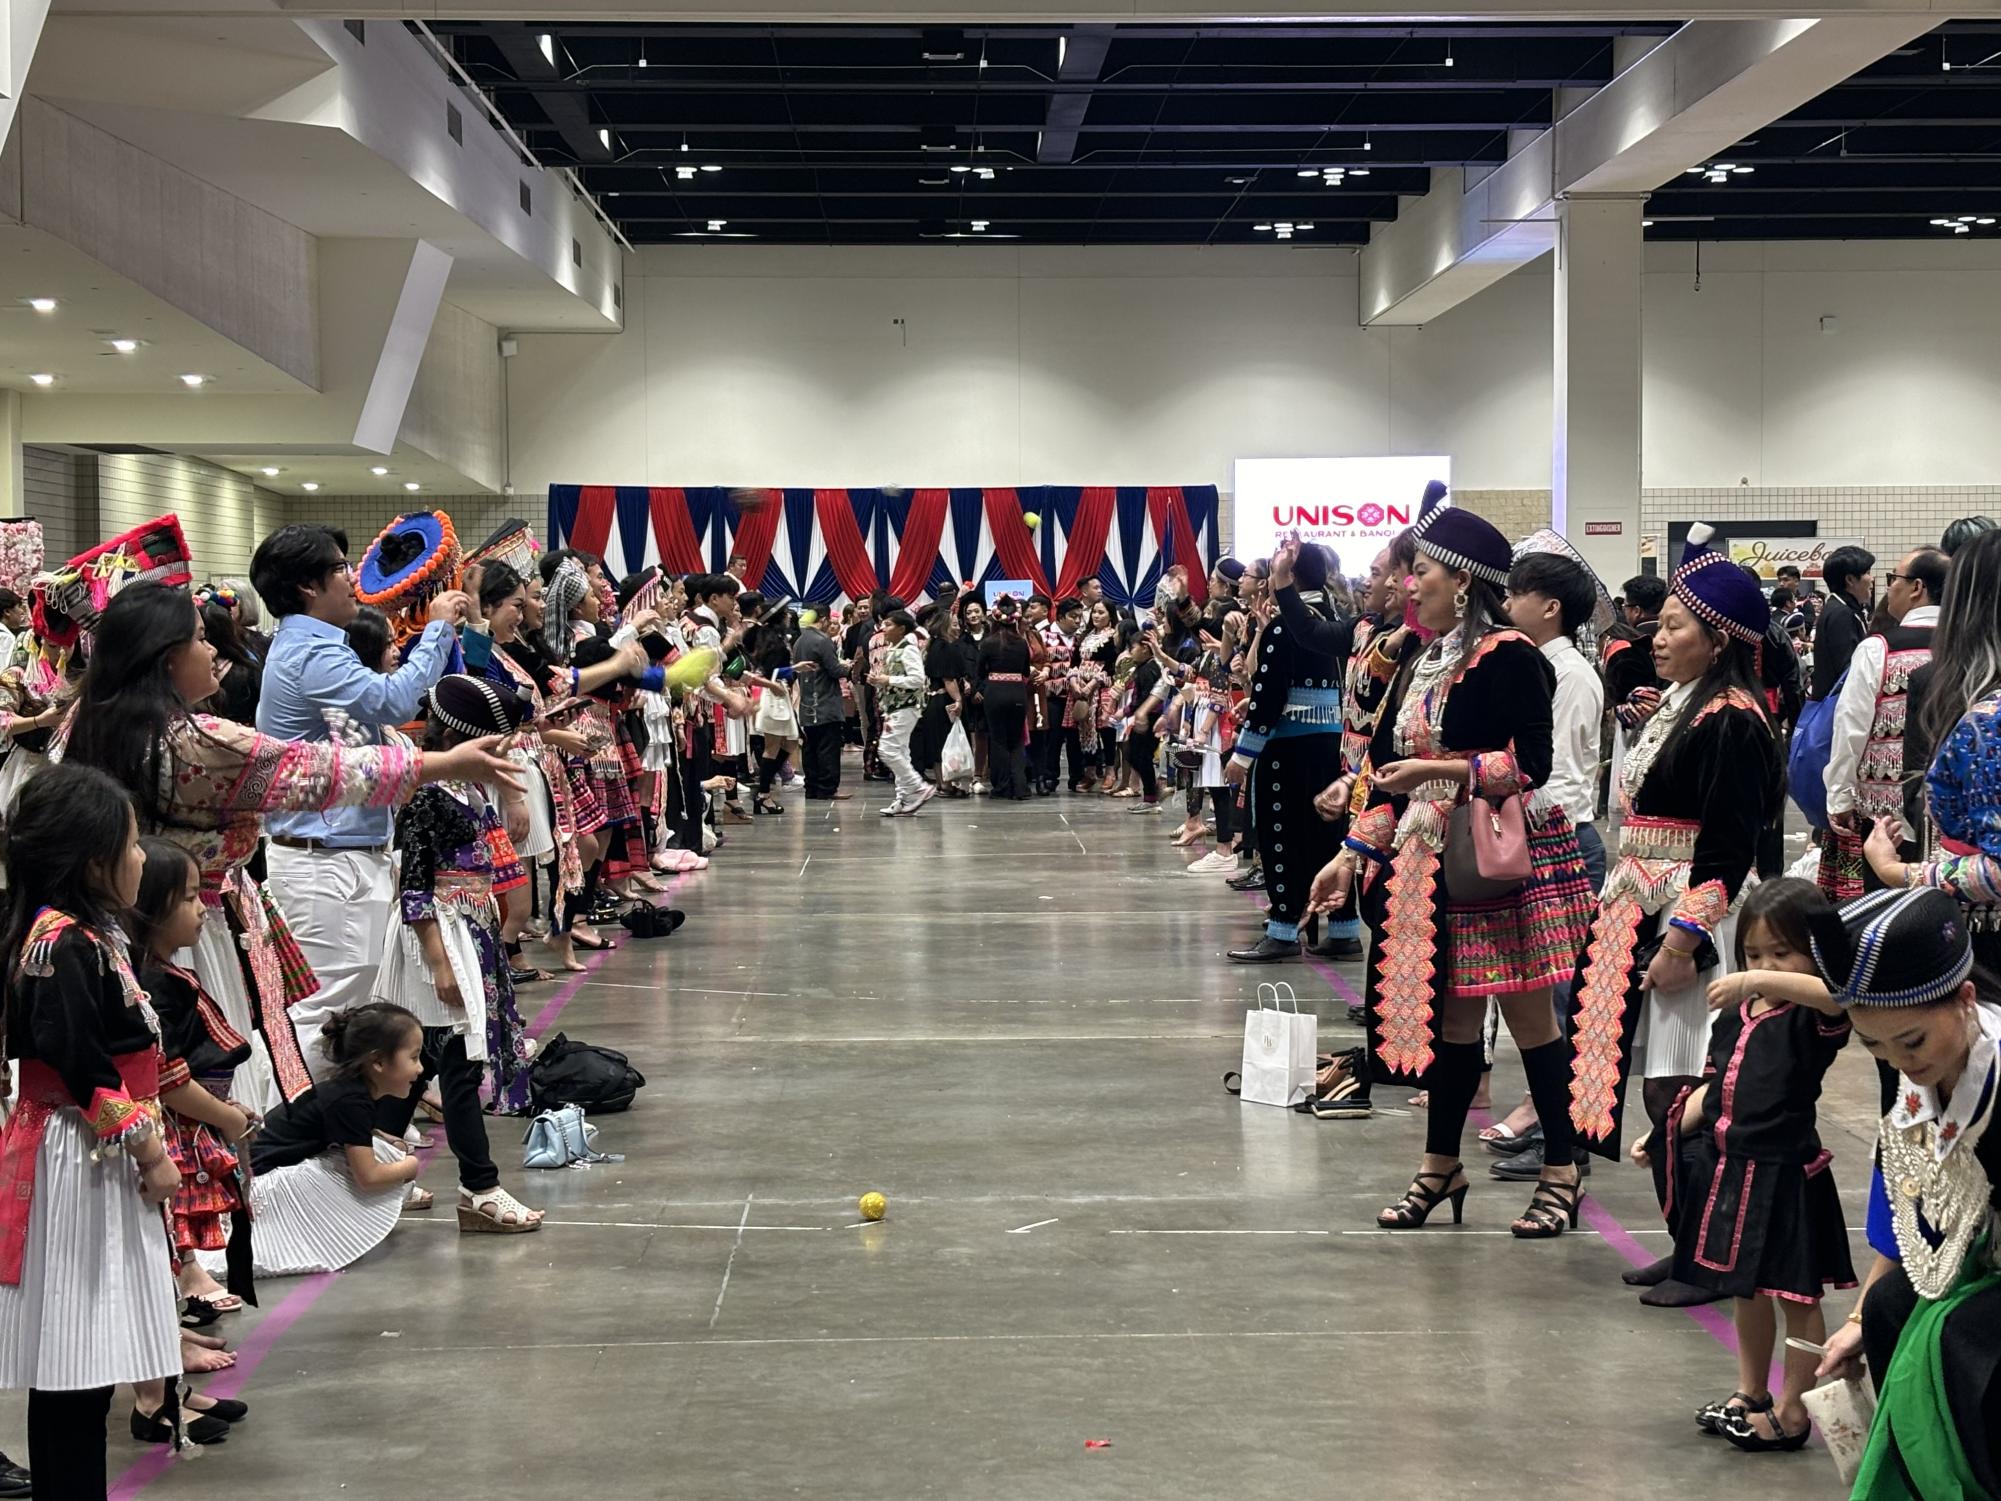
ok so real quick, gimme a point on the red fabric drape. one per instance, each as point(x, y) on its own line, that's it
point(674, 532)
point(917, 551)
point(756, 531)
point(1012, 544)
point(1168, 510)
point(596, 505)
point(847, 549)
point(1084, 551)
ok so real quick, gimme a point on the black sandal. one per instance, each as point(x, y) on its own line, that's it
point(1711, 1417)
point(1744, 1436)
point(590, 945)
point(1414, 1208)
point(1550, 1206)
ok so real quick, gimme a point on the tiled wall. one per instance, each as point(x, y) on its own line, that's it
point(1889, 519)
point(223, 514)
point(60, 492)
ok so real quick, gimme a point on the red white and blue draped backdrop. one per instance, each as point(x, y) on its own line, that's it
point(822, 545)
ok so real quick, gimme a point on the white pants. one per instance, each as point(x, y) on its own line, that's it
point(340, 905)
point(894, 748)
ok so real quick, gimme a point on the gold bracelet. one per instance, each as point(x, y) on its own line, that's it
point(1855, 1315)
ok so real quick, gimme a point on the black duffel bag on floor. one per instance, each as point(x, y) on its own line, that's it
point(575, 1073)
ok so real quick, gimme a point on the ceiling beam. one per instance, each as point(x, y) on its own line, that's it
point(665, 82)
point(569, 113)
point(1080, 58)
point(1707, 87)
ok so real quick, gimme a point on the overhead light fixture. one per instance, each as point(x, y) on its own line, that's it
point(979, 226)
point(684, 173)
point(934, 182)
point(716, 224)
point(1238, 182)
point(194, 382)
point(1448, 55)
point(548, 45)
point(270, 471)
point(310, 485)
point(962, 168)
point(1263, 229)
point(41, 304)
point(942, 46)
point(1358, 171)
point(604, 138)
point(1062, 51)
point(124, 346)
point(410, 484)
point(938, 138)
point(710, 167)
point(1367, 143)
point(684, 143)
point(377, 470)
point(43, 379)
point(985, 174)
point(1313, 171)
point(1646, 224)
point(642, 54)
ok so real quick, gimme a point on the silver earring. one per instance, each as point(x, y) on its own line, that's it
point(1459, 601)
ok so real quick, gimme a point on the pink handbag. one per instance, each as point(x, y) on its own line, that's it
point(1486, 849)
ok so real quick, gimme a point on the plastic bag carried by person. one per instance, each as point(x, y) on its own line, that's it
point(956, 762)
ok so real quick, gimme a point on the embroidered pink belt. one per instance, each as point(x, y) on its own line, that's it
point(1645, 838)
point(43, 1093)
point(1007, 677)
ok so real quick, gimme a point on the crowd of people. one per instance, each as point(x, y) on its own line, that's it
point(270, 895)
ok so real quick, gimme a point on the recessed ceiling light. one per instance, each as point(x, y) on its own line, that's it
point(410, 484)
point(377, 470)
point(43, 379)
point(125, 346)
point(710, 167)
point(194, 382)
point(41, 304)
point(310, 485)
point(270, 471)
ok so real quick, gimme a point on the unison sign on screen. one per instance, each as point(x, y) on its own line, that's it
point(1353, 505)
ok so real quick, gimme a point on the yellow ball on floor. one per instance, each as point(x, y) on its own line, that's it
point(874, 1206)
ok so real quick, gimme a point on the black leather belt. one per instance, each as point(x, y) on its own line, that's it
point(320, 846)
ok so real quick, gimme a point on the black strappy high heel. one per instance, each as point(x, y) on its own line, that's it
point(1414, 1208)
point(1713, 1417)
point(1550, 1206)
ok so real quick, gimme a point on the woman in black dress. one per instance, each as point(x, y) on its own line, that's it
point(1002, 689)
point(972, 713)
point(942, 693)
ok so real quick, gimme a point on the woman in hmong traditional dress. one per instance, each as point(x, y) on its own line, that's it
point(205, 783)
point(1929, 1315)
point(1468, 717)
point(1697, 785)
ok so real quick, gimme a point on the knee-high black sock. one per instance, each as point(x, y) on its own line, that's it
point(1451, 1081)
point(1548, 1070)
point(767, 770)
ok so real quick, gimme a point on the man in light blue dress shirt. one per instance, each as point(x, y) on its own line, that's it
point(331, 873)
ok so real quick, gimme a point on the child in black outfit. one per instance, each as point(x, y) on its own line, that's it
point(1750, 1198)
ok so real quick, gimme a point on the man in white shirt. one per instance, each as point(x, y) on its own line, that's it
point(1865, 762)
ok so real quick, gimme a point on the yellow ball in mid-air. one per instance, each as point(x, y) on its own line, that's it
point(1031, 521)
point(874, 1206)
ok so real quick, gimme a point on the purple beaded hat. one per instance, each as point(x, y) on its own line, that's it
point(1718, 591)
point(1459, 539)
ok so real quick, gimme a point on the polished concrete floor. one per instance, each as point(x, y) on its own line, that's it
point(1012, 1020)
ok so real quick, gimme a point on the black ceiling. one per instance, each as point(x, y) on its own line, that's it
point(1165, 135)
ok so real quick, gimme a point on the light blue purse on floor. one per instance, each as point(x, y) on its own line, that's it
point(560, 1137)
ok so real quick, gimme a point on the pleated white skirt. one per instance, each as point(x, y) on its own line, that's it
point(540, 843)
point(96, 1304)
point(214, 960)
point(313, 1216)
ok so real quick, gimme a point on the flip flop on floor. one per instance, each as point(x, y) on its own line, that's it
point(1233, 1083)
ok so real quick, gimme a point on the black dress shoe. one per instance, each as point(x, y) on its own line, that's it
point(13, 1479)
point(1514, 1146)
point(1358, 1014)
point(1331, 947)
point(202, 1429)
point(1251, 880)
point(1526, 1166)
point(1266, 950)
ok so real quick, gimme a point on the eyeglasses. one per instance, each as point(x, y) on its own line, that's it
point(1892, 576)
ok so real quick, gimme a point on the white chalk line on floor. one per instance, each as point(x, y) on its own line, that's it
point(730, 1265)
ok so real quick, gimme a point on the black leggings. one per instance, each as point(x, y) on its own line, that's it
point(458, 1089)
point(1142, 749)
point(1004, 749)
point(1225, 800)
point(66, 1443)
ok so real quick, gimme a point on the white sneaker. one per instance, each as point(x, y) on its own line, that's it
point(924, 795)
point(893, 809)
point(979, 787)
point(1215, 863)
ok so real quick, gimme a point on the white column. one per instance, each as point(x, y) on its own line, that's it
point(1595, 447)
point(13, 496)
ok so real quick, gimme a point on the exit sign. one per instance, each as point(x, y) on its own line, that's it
point(1604, 528)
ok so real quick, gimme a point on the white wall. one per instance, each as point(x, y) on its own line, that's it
point(769, 365)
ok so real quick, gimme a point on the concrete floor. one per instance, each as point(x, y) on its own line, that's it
point(1002, 1017)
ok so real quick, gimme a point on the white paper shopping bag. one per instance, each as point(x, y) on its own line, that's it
point(1278, 1049)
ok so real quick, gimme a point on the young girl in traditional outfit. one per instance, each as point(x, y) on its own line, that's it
point(202, 1051)
point(329, 1186)
point(445, 962)
point(87, 1297)
point(1928, 1317)
point(1749, 1194)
